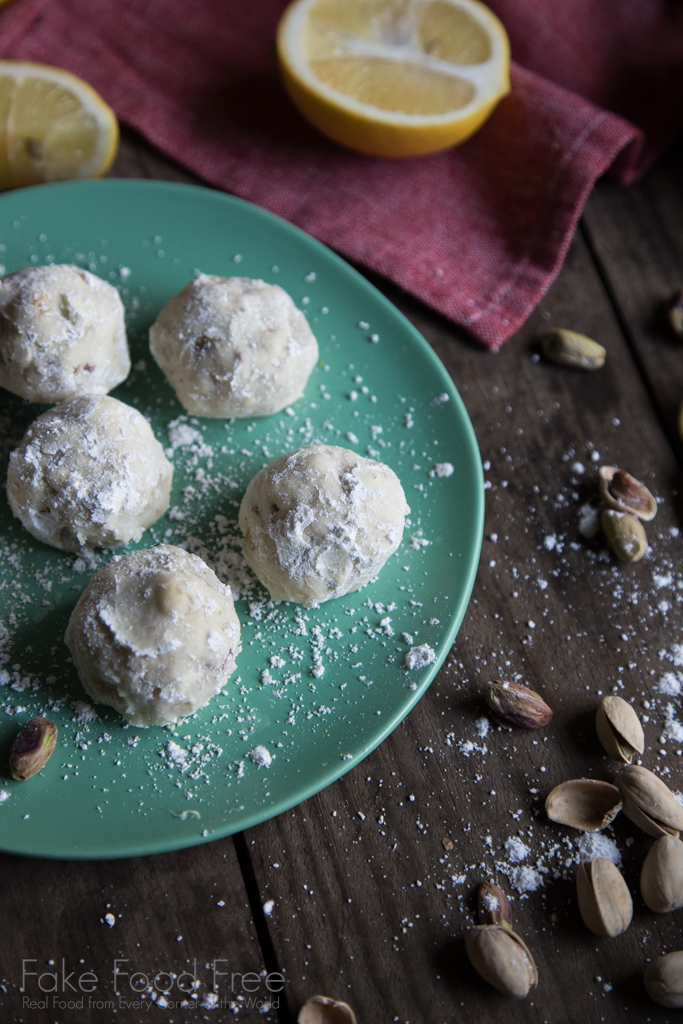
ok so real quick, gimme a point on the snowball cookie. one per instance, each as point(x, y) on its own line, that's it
point(231, 346)
point(89, 473)
point(155, 635)
point(62, 334)
point(320, 522)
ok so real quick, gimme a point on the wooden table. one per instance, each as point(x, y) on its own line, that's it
point(358, 893)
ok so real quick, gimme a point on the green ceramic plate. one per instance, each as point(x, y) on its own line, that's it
point(319, 688)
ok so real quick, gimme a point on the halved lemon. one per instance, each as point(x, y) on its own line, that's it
point(394, 77)
point(53, 126)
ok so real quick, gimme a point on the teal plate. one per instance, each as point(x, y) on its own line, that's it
point(318, 688)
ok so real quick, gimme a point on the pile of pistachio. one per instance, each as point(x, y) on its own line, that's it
point(604, 901)
point(626, 505)
point(626, 502)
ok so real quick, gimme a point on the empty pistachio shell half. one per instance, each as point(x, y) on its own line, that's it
point(623, 492)
point(323, 1010)
point(661, 876)
point(571, 349)
point(648, 802)
point(517, 705)
point(585, 804)
point(663, 980)
point(502, 958)
point(625, 535)
point(493, 905)
point(32, 748)
point(605, 903)
point(619, 729)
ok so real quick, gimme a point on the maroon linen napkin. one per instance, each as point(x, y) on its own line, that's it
point(479, 232)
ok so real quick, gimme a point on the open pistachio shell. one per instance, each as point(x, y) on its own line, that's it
point(648, 802)
point(605, 903)
point(663, 980)
point(585, 804)
point(621, 491)
point(619, 729)
point(661, 876)
point(502, 958)
point(323, 1010)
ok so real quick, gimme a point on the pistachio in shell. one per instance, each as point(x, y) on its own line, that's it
point(648, 802)
point(584, 804)
point(324, 1010)
point(517, 705)
point(663, 980)
point(625, 535)
point(32, 748)
point(493, 906)
point(502, 958)
point(619, 729)
point(621, 491)
point(661, 876)
point(568, 348)
point(605, 903)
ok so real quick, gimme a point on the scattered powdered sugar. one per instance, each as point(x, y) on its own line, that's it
point(443, 469)
point(490, 902)
point(418, 657)
point(175, 753)
point(526, 879)
point(595, 844)
point(670, 684)
point(673, 729)
point(181, 434)
point(268, 907)
point(84, 712)
point(110, 920)
point(482, 726)
point(516, 850)
point(261, 756)
point(4, 795)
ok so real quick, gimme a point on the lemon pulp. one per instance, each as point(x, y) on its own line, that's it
point(394, 77)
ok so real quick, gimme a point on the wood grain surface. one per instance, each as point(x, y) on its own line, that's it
point(365, 891)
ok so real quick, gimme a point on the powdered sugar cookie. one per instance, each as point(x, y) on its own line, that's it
point(62, 334)
point(89, 473)
point(154, 635)
point(233, 347)
point(320, 522)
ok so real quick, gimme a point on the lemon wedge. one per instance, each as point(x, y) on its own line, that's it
point(394, 77)
point(53, 126)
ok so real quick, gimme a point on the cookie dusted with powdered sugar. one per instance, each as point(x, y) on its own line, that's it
point(154, 635)
point(320, 522)
point(233, 347)
point(89, 473)
point(62, 334)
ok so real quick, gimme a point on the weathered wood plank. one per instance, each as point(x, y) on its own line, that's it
point(175, 918)
point(637, 237)
point(395, 951)
point(552, 608)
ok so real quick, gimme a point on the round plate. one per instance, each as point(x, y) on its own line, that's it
point(318, 688)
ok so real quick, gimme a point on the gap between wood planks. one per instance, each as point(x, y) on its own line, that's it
point(270, 959)
point(627, 332)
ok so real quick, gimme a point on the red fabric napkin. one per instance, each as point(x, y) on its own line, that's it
point(478, 232)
